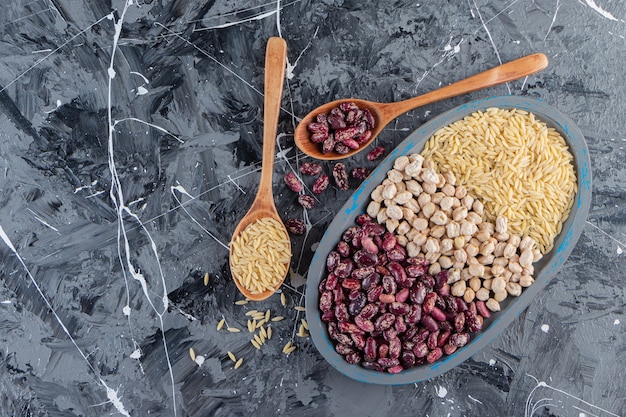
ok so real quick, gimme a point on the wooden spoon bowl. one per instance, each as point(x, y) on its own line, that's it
point(263, 205)
point(385, 112)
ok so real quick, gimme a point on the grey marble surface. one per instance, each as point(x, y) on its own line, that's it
point(130, 146)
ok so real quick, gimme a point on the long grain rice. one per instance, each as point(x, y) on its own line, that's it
point(261, 255)
point(515, 164)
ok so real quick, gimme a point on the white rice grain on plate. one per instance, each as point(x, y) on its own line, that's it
point(515, 164)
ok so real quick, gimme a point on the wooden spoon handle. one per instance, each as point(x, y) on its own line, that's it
point(510, 71)
point(275, 62)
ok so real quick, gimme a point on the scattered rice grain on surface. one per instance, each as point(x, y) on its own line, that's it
point(518, 166)
point(233, 330)
point(283, 299)
point(238, 363)
point(220, 325)
point(255, 344)
point(192, 354)
point(206, 279)
point(231, 355)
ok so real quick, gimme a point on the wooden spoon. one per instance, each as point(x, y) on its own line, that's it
point(263, 204)
point(385, 112)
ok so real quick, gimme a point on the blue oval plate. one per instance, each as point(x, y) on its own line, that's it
point(512, 307)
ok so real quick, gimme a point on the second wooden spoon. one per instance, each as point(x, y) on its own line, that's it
point(385, 112)
point(263, 206)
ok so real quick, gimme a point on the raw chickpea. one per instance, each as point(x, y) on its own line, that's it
point(468, 228)
point(459, 242)
point(487, 227)
point(482, 235)
point(501, 224)
point(448, 189)
point(453, 229)
point(459, 213)
point(447, 203)
point(434, 269)
point(469, 295)
point(447, 245)
point(514, 240)
point(389, 192)
point(473, 217)
point(454, 275)
point(432, 256)
point(467, 201)
point(477, 270)
point(414, 187)
point(487, 284)
point(478, 207)
point(412, 205)
point(526, 280)
point(502, 237)
point(420, 239)
point(450, 178)
point(458, 289)
point(377, 193)
point(475, 283)
point(514, 289)
point(430, 176)
point(403, 228)
point(486, 259)
point(437, 197)
point(401, 163)
point(498, 284)
point(492, 305)
point(446, 263)
point(471, 250)
point(373, 208)
point(402, 240)
point(509, 251)
point(412, 249)
point(440, 218)
point(431, 245)
point(429, 209)
point(482, 294)
point(391, 224)
point(429, 188)
point(526, 258)
point(395, 176)
point(460, 255)
point(420, 223)
point(407, 214)
point(500, 296)
point(438, 231)
point(460, 192)
point(402, 197)
point(497, 270)
point(423, 199)
point(515, 267)
point(394, 212)
point(382, 217)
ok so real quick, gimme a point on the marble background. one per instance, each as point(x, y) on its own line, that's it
point(130, 145)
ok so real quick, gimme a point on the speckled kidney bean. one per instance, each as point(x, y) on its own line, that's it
point(375, 153)
point(306, 201)
point(359, 173)
point(295, 226)
point(293, 182)
point(346, 124)
point(341, 176)
point(320, 184)
point(310, 168)
point(390, 320)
